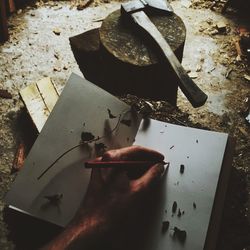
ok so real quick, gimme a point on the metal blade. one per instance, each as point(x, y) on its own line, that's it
point(159, 4)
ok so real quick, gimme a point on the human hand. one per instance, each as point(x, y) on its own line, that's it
point(113, 197)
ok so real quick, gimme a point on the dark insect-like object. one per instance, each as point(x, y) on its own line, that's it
point(194, 205)
point(87, 136)
point(100, 148)
point(165, 226)
point(174, 207)
point(111, 116)
point(181, 235)
point(179, 213)
point(54, 199)
point(182, 168)
point(197, 141)
point(126, 122)
point(171, 147)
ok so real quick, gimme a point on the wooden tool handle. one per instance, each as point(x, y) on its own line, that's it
point(193, 93)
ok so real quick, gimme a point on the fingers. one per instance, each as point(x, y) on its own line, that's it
point(133, 153)
point(149, 179)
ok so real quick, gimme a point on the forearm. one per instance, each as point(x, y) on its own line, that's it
point(83, 235)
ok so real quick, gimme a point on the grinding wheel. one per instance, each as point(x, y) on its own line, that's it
point(125, 62)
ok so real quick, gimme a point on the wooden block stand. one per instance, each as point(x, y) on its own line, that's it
point(118, 60)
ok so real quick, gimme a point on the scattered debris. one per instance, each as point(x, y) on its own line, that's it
point(245, 43)
point(19, 11)
point(174, 207)
point(238, 49)
point(198, 68)
point(126, 122)
point(54, 199)
point(179, 213)
point(193, 75)
point(165, 226)
point(229, 71)
point(111, 116)
point(19, 158)
point(181, 235)
point(146, 109)
point(5, 94)
point(56, 55)
point(186, 3)
point(84, 4)
point(194, 205)
point(58, 66)
point(57, 31)
point(87, 136)
point(221, 26)
point(182, 168)
point(248, 119)
point(243, 131)
point(247, 77)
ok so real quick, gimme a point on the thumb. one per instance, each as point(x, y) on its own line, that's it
point(149, 179)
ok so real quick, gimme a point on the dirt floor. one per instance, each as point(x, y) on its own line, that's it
point(39, 47)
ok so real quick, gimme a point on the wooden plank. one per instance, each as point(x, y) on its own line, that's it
point(48, 92)
point(12, 6)
point(35, 105)
point(3, 22)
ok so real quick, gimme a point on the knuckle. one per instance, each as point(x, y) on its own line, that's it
point(107, 156)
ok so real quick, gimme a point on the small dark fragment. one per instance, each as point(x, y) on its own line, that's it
point(126, 122)
point(172, 147)
point(182, 168)
point(5, 94)
point(100, 148)
point(165, 226)
point(19, 158)
point(87, 136)
point(197, 141)
point(54, 199)
point(174, 207)
point(111, 116)
point(194, 205)
point(84, 4)
point(181, 235)
point(179, 213)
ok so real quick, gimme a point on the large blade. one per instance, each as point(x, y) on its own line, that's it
point(163, 5)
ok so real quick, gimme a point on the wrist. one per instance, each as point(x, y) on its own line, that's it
point(85, 233)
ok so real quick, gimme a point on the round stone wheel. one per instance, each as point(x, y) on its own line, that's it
point(129, 47)
point(130, 62)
